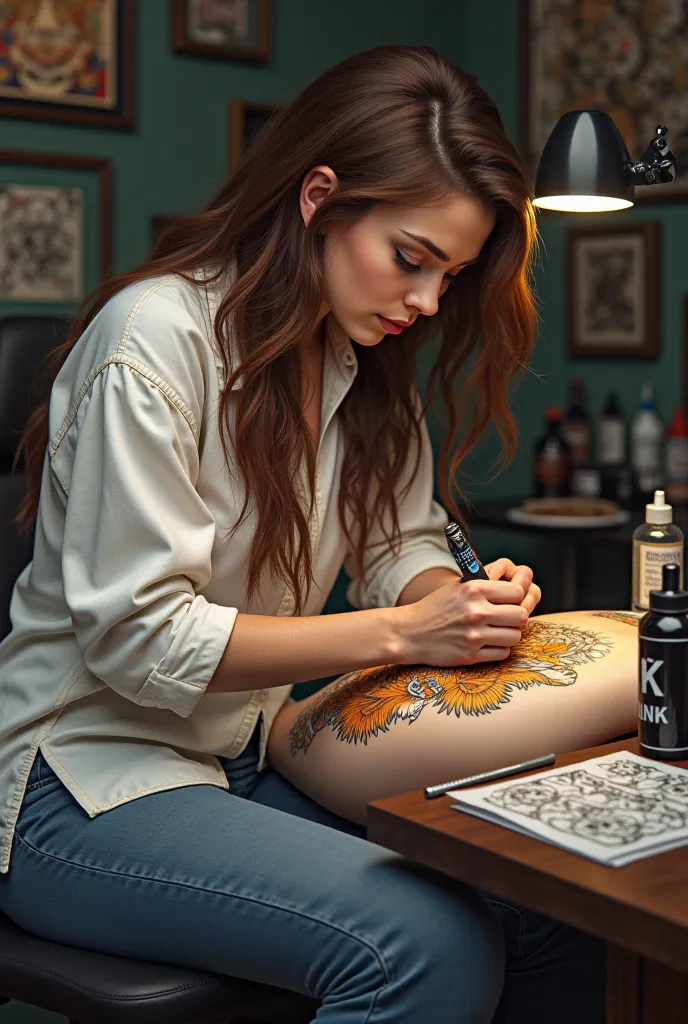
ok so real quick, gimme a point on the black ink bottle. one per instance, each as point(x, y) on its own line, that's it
point(663, 671)
point(465, 557)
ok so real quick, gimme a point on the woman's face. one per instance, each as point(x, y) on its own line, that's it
point(375, 268)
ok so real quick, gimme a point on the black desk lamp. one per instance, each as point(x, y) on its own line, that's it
point(585, 166)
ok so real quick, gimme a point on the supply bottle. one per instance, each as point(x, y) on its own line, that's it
point(552, 459)
point(575, 425)
point(663, 671)
point(656, 542)
point(647, 436)
point(677, 458)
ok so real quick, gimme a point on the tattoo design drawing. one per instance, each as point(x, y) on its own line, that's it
point(364, 703)
point(613, 804)
point(630, 618)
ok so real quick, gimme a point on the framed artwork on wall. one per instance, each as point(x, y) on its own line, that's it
point(627, 59)
point(69, 62)
point(246, 118)
point(612, 290)
point(55, 226)
point(228, 29)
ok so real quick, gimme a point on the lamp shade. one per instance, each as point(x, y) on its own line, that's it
point(584, 166)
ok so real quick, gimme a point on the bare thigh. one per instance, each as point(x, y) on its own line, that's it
point(570, 683)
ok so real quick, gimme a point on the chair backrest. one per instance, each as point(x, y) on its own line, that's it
point(25, 341)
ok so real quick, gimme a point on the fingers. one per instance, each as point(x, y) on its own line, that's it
point(521, 575)
point(496, 636)
point(496, 591)
point(532, 598)
point(492, 654)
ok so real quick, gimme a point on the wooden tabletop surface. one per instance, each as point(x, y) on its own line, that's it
point(642, 907)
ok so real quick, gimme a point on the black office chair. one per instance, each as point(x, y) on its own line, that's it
point(88, 987)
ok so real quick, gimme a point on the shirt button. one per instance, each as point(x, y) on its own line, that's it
point(349, 359)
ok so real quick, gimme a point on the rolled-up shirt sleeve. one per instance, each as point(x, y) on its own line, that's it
point(423, 545)
point(137, 543)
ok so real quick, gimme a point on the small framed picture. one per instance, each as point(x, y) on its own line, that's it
point(246, 118)
point(55, 228)
point(68, 62)
point(612, 290)
point(228, 29)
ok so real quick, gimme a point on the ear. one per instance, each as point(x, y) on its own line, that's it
point(318, 183)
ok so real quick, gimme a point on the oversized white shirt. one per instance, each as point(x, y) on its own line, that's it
point(121, 617)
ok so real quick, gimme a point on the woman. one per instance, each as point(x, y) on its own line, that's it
point(229, 423)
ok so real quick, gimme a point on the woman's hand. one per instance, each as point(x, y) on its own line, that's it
point(461, 624)
point(504, 569)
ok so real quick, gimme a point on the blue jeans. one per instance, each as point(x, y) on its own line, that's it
point(262, 883)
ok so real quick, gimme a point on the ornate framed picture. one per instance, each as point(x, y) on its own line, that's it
point(246, 118)
point(612, 290)
point(228, 29)
point(70, 62)
point(627, 59)
point(55, 227)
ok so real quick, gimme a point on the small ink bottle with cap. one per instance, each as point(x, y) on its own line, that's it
point(663, 671)
point(656, 541)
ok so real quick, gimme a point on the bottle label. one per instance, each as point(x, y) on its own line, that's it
point(663, 695)
point(577, 434)
point(651, 558)
point(647, 462)
point(612, 437)
point(677, 459)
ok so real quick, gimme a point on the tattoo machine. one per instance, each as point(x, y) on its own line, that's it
point(465, 557)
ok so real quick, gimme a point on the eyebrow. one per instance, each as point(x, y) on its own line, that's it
point(431, 247)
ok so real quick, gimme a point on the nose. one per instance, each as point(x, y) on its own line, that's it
point(425, 297)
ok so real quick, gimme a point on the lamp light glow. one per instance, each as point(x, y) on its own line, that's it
point(585, 166)
point(582, 204)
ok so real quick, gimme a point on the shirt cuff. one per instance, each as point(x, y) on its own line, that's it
point(179, 681)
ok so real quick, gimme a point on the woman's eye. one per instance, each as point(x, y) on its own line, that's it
point(414, 268)
point(404, 264)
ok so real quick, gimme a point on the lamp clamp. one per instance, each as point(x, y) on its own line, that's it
point(657, 165)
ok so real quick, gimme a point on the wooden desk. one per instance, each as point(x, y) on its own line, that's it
point(641, 910)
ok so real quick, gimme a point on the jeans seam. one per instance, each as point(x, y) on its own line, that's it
point(387, 973)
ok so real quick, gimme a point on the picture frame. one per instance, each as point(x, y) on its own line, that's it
point(223, 29)
point(55, 226)
point(612, 56)
point(246, 119)
point(612, 290)
point(49, 83)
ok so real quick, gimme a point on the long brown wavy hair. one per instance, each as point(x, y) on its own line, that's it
point(397, 124)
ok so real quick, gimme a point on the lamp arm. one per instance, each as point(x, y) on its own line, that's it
point(657, 165)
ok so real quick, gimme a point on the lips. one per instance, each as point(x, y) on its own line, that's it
point(392, 326)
